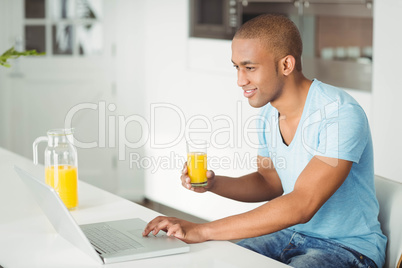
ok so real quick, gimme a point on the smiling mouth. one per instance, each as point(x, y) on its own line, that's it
point(249, 93)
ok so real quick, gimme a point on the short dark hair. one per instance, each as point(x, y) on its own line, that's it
point(278, 33)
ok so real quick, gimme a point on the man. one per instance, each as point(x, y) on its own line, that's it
point(322, 209)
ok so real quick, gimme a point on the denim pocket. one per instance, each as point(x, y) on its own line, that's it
point(362, 260)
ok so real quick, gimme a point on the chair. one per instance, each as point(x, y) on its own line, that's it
point(389, 195)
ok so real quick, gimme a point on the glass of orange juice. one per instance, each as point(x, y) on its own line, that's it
point(197, 162)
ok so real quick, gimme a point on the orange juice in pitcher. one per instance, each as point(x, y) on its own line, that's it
point(63, 179)
point(61, 171)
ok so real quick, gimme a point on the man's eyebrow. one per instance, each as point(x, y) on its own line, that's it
point(246, 62)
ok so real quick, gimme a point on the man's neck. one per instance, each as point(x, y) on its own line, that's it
point(291, 103)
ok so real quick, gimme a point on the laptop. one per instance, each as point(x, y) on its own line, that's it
point(105, 242)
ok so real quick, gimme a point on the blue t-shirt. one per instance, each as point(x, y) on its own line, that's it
point(333, 125)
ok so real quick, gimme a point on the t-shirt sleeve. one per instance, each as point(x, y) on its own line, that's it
point(344, 133)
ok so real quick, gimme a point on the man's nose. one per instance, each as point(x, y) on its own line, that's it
point(242, 78)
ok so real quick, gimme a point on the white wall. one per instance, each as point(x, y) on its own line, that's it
point(387, 89)
point(130, 87)
point(4, 45)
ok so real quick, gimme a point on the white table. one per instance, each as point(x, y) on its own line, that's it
point(28, 240)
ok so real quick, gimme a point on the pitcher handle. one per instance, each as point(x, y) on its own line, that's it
point(35, 148)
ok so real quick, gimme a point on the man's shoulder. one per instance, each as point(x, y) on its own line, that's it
point(333, 99)
point(326, 93)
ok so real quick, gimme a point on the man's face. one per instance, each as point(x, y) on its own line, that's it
point(256, 71)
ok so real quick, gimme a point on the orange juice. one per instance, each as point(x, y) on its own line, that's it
point(197, 168)
point(63, 179)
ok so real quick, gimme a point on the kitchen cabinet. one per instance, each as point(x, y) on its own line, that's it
point(337, 37)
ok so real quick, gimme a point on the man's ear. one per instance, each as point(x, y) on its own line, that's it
point(287, 64)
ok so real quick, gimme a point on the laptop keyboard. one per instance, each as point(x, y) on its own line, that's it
point(108, 240)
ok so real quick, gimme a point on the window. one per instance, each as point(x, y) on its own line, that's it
point(64, 27)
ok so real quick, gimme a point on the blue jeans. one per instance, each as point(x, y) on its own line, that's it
point(298, 250)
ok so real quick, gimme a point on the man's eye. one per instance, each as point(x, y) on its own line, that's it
point(250, 68)
point(236, 67)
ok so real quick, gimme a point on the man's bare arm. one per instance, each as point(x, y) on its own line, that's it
point(263, 185)
point(315, 185)
point(259, 186)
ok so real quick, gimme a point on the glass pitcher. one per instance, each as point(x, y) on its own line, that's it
point(61, 164)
